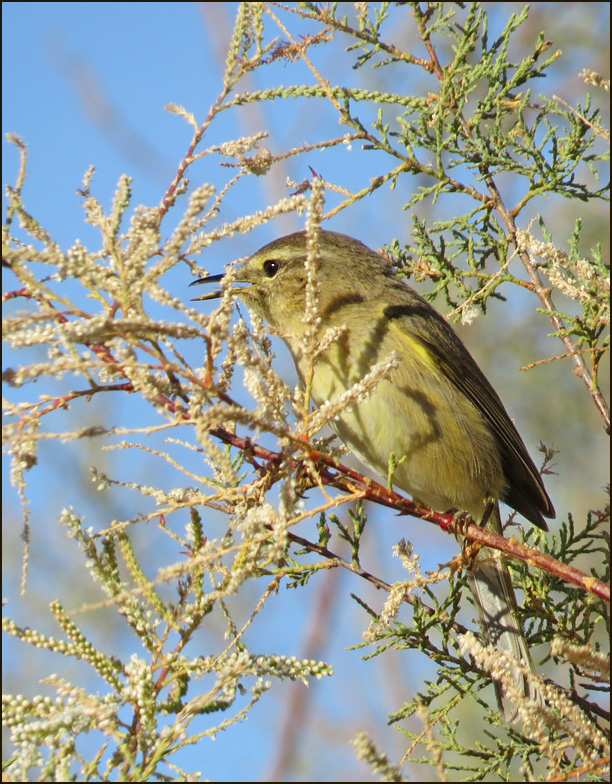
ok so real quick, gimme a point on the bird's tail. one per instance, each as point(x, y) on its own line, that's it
point(491, 586)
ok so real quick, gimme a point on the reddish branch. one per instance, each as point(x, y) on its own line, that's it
point(331, 472)
point(337, 475)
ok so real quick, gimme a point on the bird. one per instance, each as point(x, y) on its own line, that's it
point(455, 447)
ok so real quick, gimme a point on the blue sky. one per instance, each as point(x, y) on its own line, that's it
point(87, 83)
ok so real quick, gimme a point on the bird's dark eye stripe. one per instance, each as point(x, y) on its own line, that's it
point(271, 267)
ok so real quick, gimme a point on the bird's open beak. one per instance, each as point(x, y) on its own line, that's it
point(208, 279)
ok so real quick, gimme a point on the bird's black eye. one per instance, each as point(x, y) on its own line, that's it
point(271, 267)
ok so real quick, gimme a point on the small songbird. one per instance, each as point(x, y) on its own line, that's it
point(455, 446)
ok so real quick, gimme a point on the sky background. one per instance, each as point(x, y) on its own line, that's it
point(87, 83)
